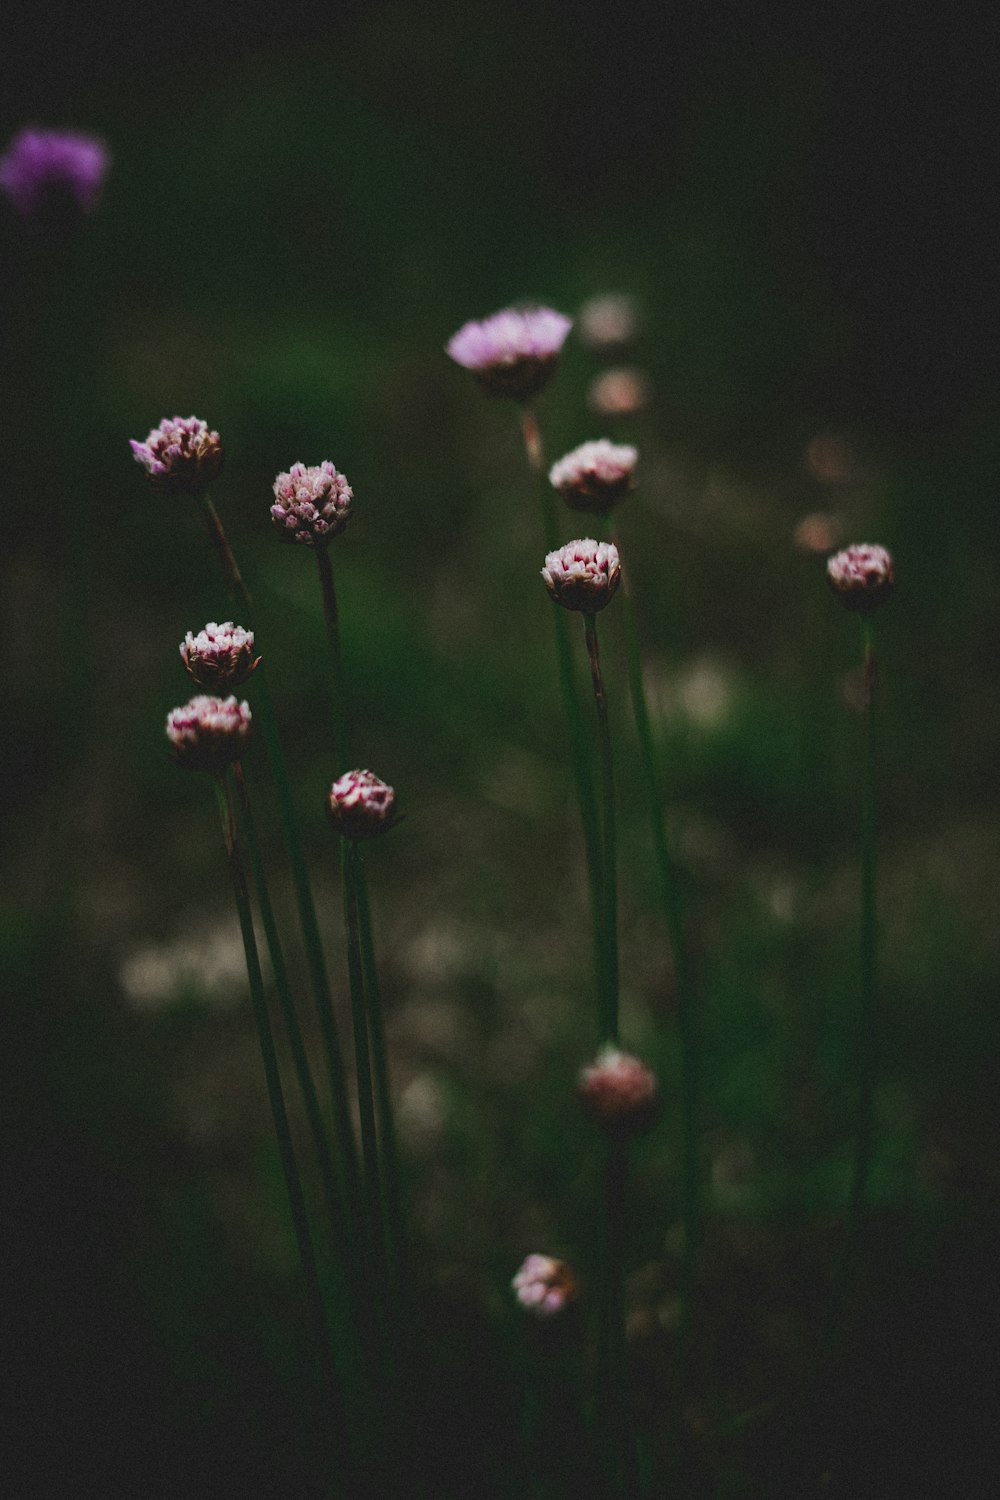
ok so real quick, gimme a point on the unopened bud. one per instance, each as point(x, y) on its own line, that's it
point(619, 1093)
point(362, 805)
point(220, 656)
point(583, 575)
point(862, 577)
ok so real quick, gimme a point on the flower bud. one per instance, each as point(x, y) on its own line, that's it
point(619, 1093)
point(862, 577)
point(311, 505)
point(208, 734)
point(220, 656)
point(583, 575)
point(595, 476)
point(545, 1286)
point(181, 456)
point(361, 805)
point(513, 353)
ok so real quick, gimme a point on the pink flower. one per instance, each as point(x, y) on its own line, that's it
point(595, 476)
point(583, 575)
point(220, 655)
point(513, 353)
point(545, 1286)
point(619, 1093)
point(181, 456)
point(41, 163)
point(362, 805)
point(311, 505)
point(862, 576)
point(208, 734)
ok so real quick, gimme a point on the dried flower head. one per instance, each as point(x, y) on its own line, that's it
point(362, 805)
point(513, 353)
point(620, 1093)
point(583, 575)
point(181, 456)
point(40, 166)
point(545, 1286)
point(208, 734)
point(595, 476)
point(311, 505)
point(220, 656)
point(861, 576)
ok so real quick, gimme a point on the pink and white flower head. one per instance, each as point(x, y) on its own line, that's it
point(220, 656)
point(181, 456)
point(311, 505)
point(208, 734)
point(42, 166)
point(583, 575)
point(619, 1093)
point(362, 805)
point(595, 476)
point(545, 1286)
point(862, 577)
point(513, 353)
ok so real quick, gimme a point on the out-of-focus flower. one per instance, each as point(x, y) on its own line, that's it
point(830, 458)
point(208, 734)
point(362, 805)
point(513, 353)
point(818, 532)
point(619, 1093)
point(220, 656)
point(545, 1286)
point(181, 456)
point(609, 320)
point(39, 165)
point(619, 392)
point(583, 575)
point(595, 476)
point(311, 505)
point(861, 576)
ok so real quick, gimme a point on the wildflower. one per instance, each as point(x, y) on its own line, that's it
point(181, 456)
point(619, 1093)
point(619, 392)
point(545, 1286)
point(862, 576)
point(311, 504)
point(583, 575)
point(513, 353)
point(608, 320)
point(208, 734)
point(362, 805)
point(220, 655)
point(595, 476)
point(42, 164)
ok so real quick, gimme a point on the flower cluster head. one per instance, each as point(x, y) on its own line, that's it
point(583, 575)
point(545, 1286)
point(40, 166)
point(361, 805)
point(619, 1093)
point(862, 577)
point(513, 353)
point(181, 456)
point(311, 505)
point(610, 319)
point(208, 734)
point(595, 476)
point(220, 656)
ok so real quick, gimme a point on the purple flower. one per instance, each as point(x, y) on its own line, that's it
point(181, 456)
point(220, 656)
point(583, 575)
point(862, 576)
point(619, 1093)
point(361, 805)
point(208, 734)
point(515, 352)
point(595, 476)
point(311, 505)
point(545, 1286)
point(40, 163)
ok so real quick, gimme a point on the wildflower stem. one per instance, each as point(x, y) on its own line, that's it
point(609, 864)
point(330, 614)
point(611, 1370)
point(867, 1021)
point(366, 1102)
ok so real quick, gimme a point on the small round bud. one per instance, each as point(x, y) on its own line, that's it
point(208, 734)
point(595, 476)
point(220, 656)
point(545, 1286)
point(862, 577)
point(311, 505)
point(583, 575)
point(362, 805)
point(619, 1093)
point(513, 353)
point(181, 456)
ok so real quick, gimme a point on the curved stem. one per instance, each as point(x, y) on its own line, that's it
point(609, 904)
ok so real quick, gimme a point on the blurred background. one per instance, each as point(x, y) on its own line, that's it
point(797, 216)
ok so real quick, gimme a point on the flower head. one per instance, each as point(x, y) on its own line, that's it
point(545, 1286)
point(181, 456)
point(595, 476)
point(583, 575)
point(39, 165)
point(362, 805)
point(610, 319)
point(208, 734)
point(862, 577)
point(620, 392)
point(513, 353)
point(619, 1093)
point(220, 656)
point(311, 505)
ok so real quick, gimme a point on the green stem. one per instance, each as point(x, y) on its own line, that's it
point(609, 903)
point(330, 614)
point(867, 1009)
point(611, 1371)
point(366, 1102)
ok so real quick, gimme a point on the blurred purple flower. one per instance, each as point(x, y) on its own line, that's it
point(40, 163)
point(545, 1286)
point(595, 476)
point(208, 733)
point(513, 353)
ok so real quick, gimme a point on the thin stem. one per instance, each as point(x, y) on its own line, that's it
point(609, 903)
point(329, 593)
point(867, 1009)
point(611, 1371)
point(366, 1102)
